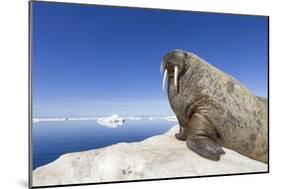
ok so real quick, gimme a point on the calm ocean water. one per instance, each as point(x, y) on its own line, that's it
point(51, 139)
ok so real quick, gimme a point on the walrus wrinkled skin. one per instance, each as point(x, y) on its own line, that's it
point(214, 109)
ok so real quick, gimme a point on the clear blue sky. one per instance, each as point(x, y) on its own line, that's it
point(94, 61)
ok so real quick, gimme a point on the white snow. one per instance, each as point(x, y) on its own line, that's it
point(160, 156)
point(113, 121)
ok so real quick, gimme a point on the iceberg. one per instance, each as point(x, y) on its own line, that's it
point(113, 121)
point(161, 156)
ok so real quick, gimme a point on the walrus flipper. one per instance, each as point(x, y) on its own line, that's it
point(205, 147)
point(202, 138)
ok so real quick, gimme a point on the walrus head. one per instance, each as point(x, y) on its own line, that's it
point(173, 66)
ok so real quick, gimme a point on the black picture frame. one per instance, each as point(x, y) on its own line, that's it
point(30, 116)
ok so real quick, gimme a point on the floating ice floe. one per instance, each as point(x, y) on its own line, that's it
point(113, 121)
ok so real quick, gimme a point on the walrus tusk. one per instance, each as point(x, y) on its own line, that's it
point(176, 76)
point(164, 79)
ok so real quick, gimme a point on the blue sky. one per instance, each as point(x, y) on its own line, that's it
point(96, 61)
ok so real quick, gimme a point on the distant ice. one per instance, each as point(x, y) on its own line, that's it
point(49, 119)
point(171, 118)
point(35, 120)
point(132, 118)
point(82, 119)
point(63, 119)
point(113, 121)
point(168, 118)
point(152, 118)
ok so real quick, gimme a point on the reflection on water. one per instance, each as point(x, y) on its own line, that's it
point(51, 139)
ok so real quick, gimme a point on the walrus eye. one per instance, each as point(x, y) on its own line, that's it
point(176, 73)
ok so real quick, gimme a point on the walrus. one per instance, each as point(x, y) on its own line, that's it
point(213, 109)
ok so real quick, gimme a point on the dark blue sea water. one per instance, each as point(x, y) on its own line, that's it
point(54, 138)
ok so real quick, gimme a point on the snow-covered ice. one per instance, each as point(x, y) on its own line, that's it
point(161, 156)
